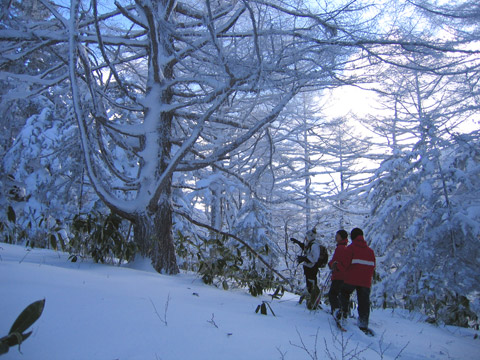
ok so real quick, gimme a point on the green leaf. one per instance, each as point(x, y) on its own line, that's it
point(225, 285)
point(62, 242)
point(278, 292)
point(263, 309)
point(17, 338)
point(11, 215)
point(53, 242)
point(28, 316)
point(3, 346)
point(270, 309)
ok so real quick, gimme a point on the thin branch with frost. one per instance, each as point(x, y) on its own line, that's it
point(283, 354)
point(382, 348)
point(312, 353)
point(341, 343)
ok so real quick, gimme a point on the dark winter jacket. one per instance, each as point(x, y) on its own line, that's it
point(340, 257)
point(360, 263)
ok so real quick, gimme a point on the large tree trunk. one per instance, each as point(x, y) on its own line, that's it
point(162, 250)
point(159, 245)
point(154, 237)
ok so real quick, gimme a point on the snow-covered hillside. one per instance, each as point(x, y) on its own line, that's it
point(105, 312)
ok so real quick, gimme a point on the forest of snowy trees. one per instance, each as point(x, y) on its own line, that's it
point(197, 134)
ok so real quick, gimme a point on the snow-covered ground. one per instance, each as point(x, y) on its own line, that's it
point(104, 312)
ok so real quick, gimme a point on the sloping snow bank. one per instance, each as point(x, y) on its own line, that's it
point(104, 312)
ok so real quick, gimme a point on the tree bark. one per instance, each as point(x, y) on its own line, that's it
point(162, 249)
point(154, 238)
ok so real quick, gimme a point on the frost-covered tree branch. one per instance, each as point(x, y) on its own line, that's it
point(167, 90)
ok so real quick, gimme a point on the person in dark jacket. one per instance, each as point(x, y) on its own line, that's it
point(337, 266)
point(360, 266)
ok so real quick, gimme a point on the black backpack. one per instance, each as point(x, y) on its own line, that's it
point(323, 258)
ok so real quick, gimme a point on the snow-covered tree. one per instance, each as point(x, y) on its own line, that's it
point(420, 221)
point(344, 167)
point(162, 88)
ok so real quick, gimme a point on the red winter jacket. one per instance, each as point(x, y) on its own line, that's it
point(360, 263)
point(340, 257)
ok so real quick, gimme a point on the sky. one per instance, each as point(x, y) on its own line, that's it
point(347, 100)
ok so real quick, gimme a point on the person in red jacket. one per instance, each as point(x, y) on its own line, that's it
point(337, 265)
point(360, 266)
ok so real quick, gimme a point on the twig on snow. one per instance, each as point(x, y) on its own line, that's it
point(212, 321)
point(164, 319)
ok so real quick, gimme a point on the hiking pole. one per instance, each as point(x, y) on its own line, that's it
point(322, 289)
point(327, 281)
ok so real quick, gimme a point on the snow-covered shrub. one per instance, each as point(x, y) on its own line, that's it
point(42, 180)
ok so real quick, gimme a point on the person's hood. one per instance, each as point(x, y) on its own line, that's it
point(360, 241)
point(344, 242)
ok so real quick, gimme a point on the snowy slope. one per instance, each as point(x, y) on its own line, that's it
point(105, 312)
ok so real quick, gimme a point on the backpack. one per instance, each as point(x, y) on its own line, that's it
point(323, 258)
